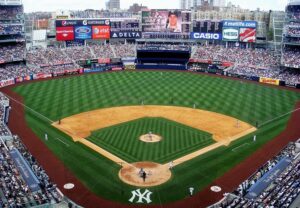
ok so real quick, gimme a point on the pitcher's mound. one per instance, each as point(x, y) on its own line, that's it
point(156, 174)
point(151, 138)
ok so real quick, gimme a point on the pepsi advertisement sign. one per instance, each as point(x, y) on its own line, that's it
point(206, 36)
point(83, 32)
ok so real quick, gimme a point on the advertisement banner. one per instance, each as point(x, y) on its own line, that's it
point(74, 43)
point(239, 24)
point(41, 76)
point(103, 60)
point(206, 36)
point(83, 32)
point(126, 35)
point(4, 83)
point(248, 35)
point(101, 32)
point(269, 81)
point(19, 79)
point(64, 33)
point(89, 22)
point(230, 34)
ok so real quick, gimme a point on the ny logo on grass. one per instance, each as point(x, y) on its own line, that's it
point(142, 196)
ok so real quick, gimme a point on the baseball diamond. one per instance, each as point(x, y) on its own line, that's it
point(95, 131)
point(130, 106)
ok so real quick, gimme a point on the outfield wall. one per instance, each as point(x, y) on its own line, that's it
point(264, 80)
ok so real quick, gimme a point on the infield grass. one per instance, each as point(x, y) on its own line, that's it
point(123, 140)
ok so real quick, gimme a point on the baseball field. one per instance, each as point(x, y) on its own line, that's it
point(205, 124)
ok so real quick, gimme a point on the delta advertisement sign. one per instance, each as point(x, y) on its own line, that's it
point(126, 35)
point(243, 31)
point(206, 36)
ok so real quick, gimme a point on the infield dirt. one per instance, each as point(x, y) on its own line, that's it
point(224, 129)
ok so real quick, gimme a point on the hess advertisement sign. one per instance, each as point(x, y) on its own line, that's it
point(64, 33)
point(101, 32)
point(230, 34)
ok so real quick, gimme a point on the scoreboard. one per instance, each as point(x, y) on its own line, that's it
point(207, 26)
point(128, 25)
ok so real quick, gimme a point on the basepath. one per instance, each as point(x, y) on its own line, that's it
point(224, 129)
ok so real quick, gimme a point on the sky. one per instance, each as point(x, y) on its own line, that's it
point(55, 5)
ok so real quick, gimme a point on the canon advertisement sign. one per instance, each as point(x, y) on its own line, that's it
point(230, 34)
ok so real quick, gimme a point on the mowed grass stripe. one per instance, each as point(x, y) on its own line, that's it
point(177, 140)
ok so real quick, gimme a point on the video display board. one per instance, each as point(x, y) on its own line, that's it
point(166, 21)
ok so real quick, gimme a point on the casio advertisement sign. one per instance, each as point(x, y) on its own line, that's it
point(206, 36)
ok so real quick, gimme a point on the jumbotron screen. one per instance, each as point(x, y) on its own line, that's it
point(171, 21)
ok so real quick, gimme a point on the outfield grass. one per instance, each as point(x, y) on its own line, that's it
point(249, 102)
point(64, 97)
point(178, 140)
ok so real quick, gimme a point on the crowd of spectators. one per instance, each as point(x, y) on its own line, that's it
point(10, 53)
point(10, 12)
point(4, 131)
point(11, 71)
point(247, 62)
point(253, 62)
point(102, 51)
point(54, 56)
point(150, 46)
point(291, 57)
point(280, 193)
point(248, 57)
point(14, 192)
point(122, 50)
point(11, 29)
point(293, 31)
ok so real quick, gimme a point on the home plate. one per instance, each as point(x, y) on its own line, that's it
point(215, 189)
point(69, 186)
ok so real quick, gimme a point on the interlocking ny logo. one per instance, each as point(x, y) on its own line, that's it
point(142, 196)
